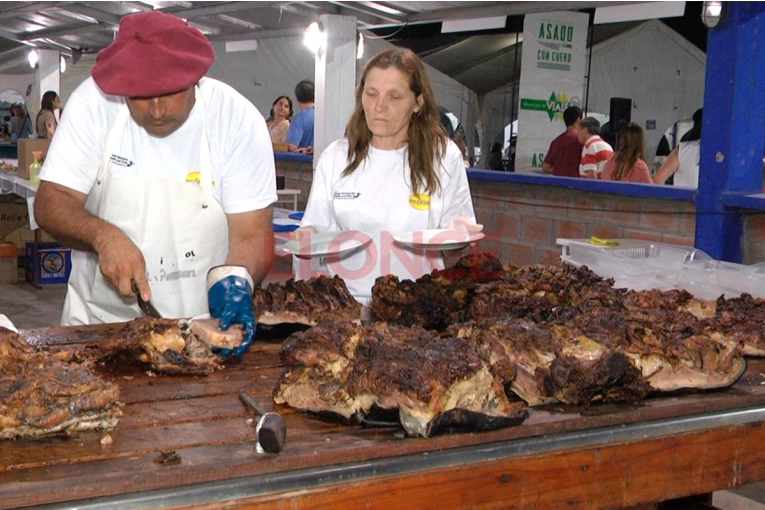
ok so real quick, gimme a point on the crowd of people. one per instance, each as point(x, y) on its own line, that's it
point(580, 152)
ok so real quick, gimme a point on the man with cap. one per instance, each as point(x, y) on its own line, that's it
point(161, 180)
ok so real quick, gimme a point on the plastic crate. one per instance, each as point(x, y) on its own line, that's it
point(631, 257)
point(738, 279)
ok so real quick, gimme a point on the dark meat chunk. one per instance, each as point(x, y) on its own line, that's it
point(42, 395)
point(306, 302)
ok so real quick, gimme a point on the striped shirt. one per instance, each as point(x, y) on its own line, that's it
point(595, 153)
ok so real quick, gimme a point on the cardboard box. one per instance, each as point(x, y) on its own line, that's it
point(26, 147)
point(8, 263)
point(13, 214)
point(47, 263)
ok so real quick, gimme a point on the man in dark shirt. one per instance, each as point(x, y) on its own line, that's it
point(565, 153)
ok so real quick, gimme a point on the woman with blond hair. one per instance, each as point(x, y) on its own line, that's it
point(395, 171)
point(628, 162)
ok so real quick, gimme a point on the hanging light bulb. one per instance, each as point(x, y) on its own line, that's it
point(33, 58)
point(315, 38)
point(711, 13)
point(359, 46)
point(62, 65)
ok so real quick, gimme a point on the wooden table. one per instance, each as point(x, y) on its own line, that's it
point(607, 456)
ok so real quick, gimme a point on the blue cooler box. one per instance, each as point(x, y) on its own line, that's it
point(46, 263)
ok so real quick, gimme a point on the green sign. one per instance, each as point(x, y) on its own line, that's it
point(553, 106)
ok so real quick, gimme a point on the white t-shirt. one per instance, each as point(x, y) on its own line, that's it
point(240, 146)
point(688, 156)
point(377, 198)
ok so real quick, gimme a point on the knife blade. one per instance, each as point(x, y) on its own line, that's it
point(146, 307)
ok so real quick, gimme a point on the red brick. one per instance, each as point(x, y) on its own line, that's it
point(498, 248)
point(569, 229)
point(538, 230)
point(548, 256)
point(483, 215)
point(654, 237)
point(552, 204)
point(520, 254)
point(584, 208)
point(754, 253)
point(506, 224)
point(688, 223)
point(674, 239)
point(657, 219)
point(756, 227)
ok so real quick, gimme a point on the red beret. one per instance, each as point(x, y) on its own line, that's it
point(153, 54)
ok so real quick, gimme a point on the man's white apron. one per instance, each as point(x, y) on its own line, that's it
point(180, 229)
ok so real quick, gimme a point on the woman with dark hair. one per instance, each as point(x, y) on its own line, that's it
point(46, 122)
point(21, 124)
point(683, 161)
point(279, 121)
point(628, 162)
point(394, 172)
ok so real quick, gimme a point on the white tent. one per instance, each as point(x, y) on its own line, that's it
point(661, 71)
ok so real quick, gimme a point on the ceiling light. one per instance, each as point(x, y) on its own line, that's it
point(711, 14)
point(62, 65)
point(359, 46)
point(315, 38)
point(33, 58)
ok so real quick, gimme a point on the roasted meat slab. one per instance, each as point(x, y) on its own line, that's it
point(305, 302)
point(348, 369)
point(41, 395)
point(166, 346)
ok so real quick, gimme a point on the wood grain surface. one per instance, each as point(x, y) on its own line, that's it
point(202, 420)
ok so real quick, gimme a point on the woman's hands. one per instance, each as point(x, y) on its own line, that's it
point(302, 231)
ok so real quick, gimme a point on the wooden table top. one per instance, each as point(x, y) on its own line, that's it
point(203, 421)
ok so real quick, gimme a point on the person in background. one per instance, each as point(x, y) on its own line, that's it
point(278, 122)
point(160, 182)
point(21, 124)
point(395, 171)
point(494, 161)
point(595, 152)
point(628, 162)
point(46, 122)
point(683, 161)
point(300, 135)
point(565, 152)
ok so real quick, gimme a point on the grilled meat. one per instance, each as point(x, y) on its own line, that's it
point(41, 395)
point(306, 302)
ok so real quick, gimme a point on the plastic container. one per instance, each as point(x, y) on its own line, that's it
point(630, 257)
point(34, 168)
point(738, 278)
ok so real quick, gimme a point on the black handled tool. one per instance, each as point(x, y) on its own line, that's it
point(270, 430)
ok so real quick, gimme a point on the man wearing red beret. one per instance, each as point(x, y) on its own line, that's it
point(162, 180)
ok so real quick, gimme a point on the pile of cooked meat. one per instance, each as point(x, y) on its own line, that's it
point(543, 333)
point(41, 395)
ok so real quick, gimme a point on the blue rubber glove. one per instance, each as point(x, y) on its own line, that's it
point(229, 296)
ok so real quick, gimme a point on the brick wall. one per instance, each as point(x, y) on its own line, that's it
point(297, 175)
point(522, 221)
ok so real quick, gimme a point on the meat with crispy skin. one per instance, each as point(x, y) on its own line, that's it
point(347, 369)
point(305, 302)
point(41, 395)
point(165, 345)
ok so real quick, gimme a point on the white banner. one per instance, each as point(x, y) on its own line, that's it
point(552, 79)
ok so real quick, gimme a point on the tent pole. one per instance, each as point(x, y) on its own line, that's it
point(590, 30)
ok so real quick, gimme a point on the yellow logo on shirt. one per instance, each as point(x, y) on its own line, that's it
point(195, 177)
point(420, 201)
